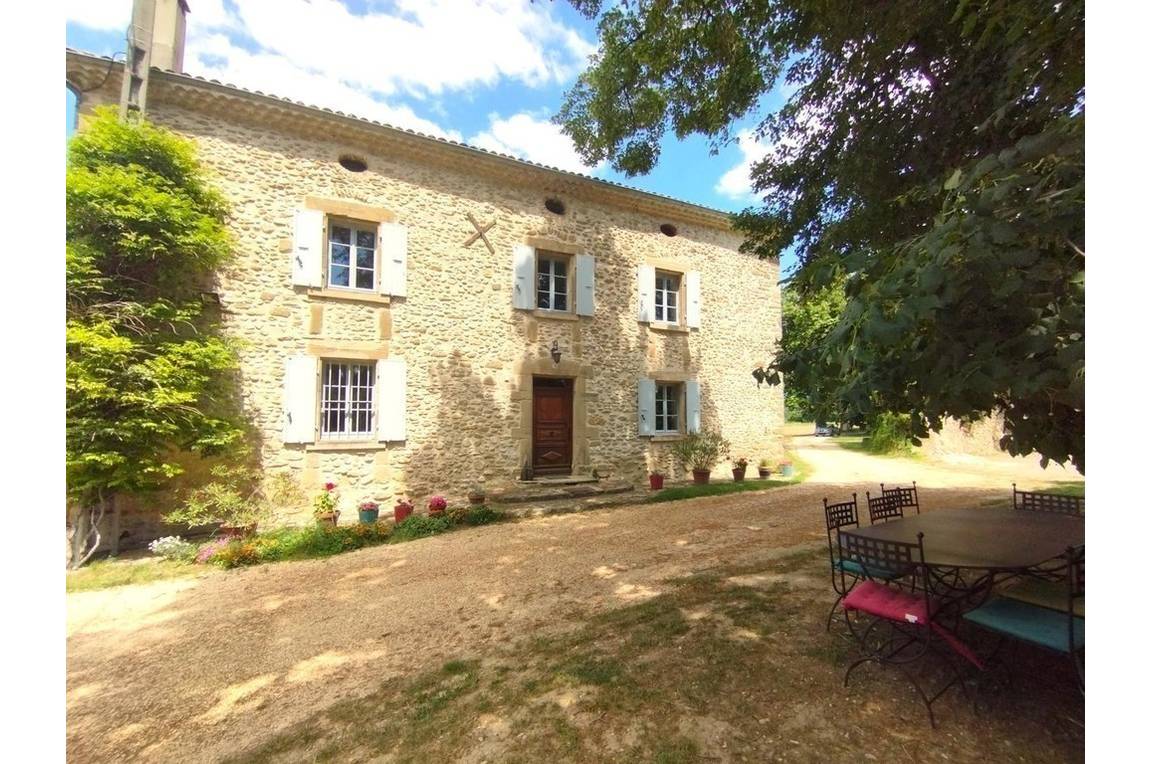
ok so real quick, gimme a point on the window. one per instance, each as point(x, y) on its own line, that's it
point(667, 297)
point(351, 256)
point(667, 408)
point(346, 400)
point(552, 282)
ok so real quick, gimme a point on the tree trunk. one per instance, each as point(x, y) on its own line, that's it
point(115, 539)
point(86, 532)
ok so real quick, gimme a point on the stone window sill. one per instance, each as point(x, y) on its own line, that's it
point(370, 445)
point(558, 315)
point(339, 294)
point(669, 438)
point(670, 328)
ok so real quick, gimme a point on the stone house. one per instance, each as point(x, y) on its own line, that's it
point(418, 316)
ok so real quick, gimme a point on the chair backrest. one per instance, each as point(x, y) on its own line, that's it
point(883, 507)
point(1034, 501)
point(908, 497)
point(840, 514)
point(880, 559)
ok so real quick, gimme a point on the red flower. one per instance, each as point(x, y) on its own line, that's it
point(329, 486)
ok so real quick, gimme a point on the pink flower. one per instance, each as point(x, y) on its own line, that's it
point(329, 486)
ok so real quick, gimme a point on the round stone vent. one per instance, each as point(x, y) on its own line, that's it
point(668, 229)
point(353, 164)
point(554, 205)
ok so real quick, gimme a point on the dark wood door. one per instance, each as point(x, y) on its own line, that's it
point(551, 425)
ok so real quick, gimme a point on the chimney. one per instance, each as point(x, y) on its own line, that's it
point(168, 24)
point(156, 38)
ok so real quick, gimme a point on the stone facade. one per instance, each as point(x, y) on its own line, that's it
point(470, 355)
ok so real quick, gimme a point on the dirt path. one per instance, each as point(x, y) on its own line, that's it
point(194, 669)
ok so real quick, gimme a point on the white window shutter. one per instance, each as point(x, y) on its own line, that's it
point(585, 285)
point(646, 281)
point(308, 249)
point(692, 285)
point(391, 403)
point(692, 404)
point(523, 276)
point(393, 259)
point(646, 406)
point(300, 384)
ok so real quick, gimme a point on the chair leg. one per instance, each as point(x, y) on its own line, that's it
point(832, 613)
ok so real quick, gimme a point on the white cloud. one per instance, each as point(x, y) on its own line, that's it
point(110, 15)
point(528, 137)
point(216, 57)
point(737, 183)
point(422, 46)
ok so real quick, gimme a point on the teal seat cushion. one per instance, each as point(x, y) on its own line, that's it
point(1030, 623)
point(1050, 594)
point(856, 569)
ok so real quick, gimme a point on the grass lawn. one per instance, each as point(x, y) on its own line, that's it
point(117, 572)
point(859, 443)
point(691, 491)
point(1067, 488)
point(729, 664)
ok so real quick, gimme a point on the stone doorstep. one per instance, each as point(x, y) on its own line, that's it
point(542, 491)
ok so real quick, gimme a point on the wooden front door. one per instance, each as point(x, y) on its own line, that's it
point(551, 426)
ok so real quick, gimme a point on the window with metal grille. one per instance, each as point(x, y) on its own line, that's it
point(351, 257)
point(667, 408)
point(552, 283)
point(346, 399)
point(667, 298)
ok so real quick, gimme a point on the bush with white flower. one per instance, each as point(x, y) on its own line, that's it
point(174, 548)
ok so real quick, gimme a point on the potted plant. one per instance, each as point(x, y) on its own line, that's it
point(738, 468)
point(764, 469)
point(699, 451)
point(477, 495)
point(402, 510)
point(324, 506)
point(437, 505)
point(786, 468)
point(369, 511)
point(656, 480)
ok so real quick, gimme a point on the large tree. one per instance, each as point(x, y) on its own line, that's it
point(930, 154)
point(807, 318)
point(147, 373)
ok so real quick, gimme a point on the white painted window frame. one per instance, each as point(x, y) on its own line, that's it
point(553, 258)
point(356, 227)
point(661, 295)
point(668, 392)
point(348, 388)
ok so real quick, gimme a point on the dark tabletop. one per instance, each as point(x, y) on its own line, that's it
point(995, 539)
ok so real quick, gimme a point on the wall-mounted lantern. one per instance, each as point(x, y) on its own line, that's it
point(555, 351)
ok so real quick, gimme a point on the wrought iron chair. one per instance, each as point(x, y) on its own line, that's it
point(845, 573)
point(908, 497)
point(1034, 501)
point(907, 623)
point(1040, 615)
point(884, 507)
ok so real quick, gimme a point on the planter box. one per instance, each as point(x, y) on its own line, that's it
point(700, 477)
point(656, 482)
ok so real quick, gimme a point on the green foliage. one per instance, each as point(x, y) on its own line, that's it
point(299, 544)
point(890, 434)
point(676, 493)
point(236, 496)
point(808, 318)
point(419, 526)
point(701, 450)
point(146, 372)
point(930, 158)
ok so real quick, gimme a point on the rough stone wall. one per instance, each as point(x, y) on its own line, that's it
point(467, 350)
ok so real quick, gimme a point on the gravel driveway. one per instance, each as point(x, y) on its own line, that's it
point(193, 669)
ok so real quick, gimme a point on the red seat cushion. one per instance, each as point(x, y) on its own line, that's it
point(894, 604)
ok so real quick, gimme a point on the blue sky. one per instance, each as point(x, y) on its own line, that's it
point(490, 73)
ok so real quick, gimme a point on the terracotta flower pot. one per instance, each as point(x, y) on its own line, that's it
point(738, 474)
point(476, 499)
point(765, 473)
point(700, 477)
point(328, 518)
point(656, 481)
point(401, 512)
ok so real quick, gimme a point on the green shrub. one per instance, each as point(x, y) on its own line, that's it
point(419, 526)
point(701, 450)
point(891, 434)
point(482, 516)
